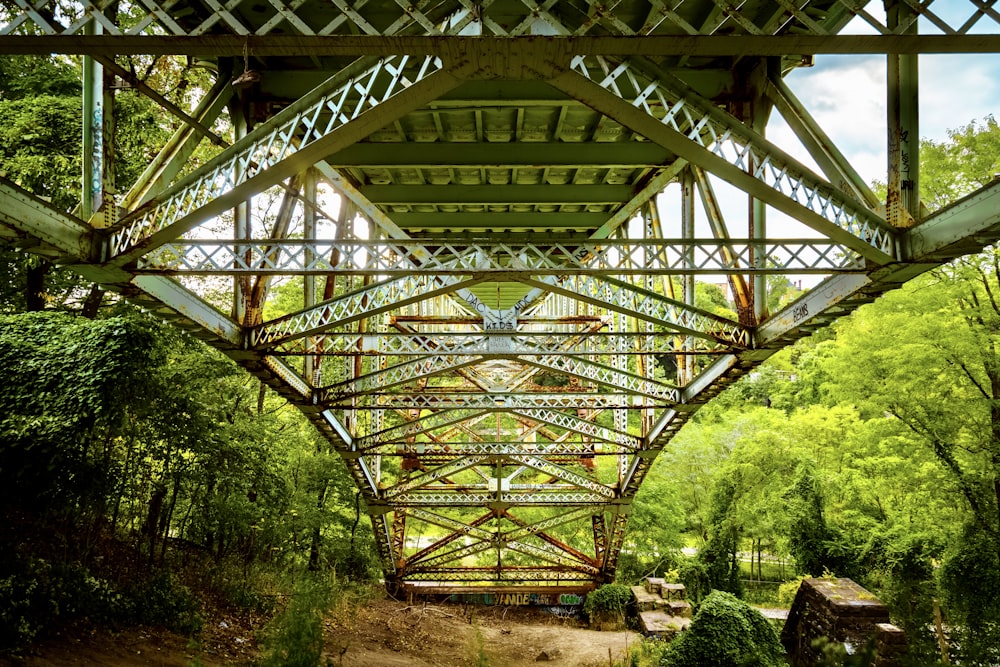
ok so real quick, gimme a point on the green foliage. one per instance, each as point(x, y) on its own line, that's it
point(68, 382)
point(726, 632)
point(697, 584)
point(720, 552)
point(38, 594)
point(609, 599)
point(295, 637)
point(646, 653)
point(970, 580)
point(835, 654)
point(35, 593)
point(812, 542)
point(162, 600)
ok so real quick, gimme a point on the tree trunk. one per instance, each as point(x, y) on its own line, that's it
point(34, 294)
point(314, 549)
point(92, 304)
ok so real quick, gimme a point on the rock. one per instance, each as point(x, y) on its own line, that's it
point(546, 656)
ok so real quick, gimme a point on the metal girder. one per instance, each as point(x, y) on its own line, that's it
point(541, 495)
point(393, 376)
point(71, 237)
point(443, 451)
point(497, 401)
point(364, 303)
point(584, 427)
point(648, 306)
point(539, 463)
point(415, 427)
point(190, 305)
point(524, 343)
point(606, 376)
point(491, 540)
point(431, 476)
point(667, 112)
point(499, 155)
point(374, 45)
point(508, 576)
point(451, 257)
point(338, 113)
point(598, 193)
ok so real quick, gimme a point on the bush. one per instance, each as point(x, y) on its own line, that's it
point(163, 600)
point(694, 576)
point(295, 637)
point(726, 632)
point(36, 594)
point(609, 598)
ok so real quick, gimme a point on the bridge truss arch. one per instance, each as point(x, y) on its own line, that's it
point(497, 326)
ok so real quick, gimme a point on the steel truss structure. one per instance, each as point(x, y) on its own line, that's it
point(498, 329)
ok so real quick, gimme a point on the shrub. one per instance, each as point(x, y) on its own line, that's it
point(607, 604)
point(295, 637)
point(726, 632)
point(163, 600)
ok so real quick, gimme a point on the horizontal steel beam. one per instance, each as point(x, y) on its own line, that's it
point(417, 45)
point(590, 193)
point(450, 257)
point(390, 344)
point(499, 154)
point(23, 211)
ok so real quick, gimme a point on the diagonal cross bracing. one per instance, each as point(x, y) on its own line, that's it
point(585, 427)
point(435, 420)
point(666, 112)
point(649, 306)
point(505, 400)
point(405, 373)
point(524, 343)
point(338, 113)
point(608, 377)
point(361, 304)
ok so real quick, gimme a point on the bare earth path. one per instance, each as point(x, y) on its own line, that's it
point(382, 633)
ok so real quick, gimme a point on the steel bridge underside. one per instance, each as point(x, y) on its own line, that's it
point(495, 321)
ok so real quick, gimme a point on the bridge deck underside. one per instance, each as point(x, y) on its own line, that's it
point(495, 320)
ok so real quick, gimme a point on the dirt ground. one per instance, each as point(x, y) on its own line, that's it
point(382, 633)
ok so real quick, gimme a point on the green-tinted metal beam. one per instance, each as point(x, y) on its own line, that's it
point(21, 210)
point(428, 155)
point(498, 221)
point(377, 45)
point(597, 193)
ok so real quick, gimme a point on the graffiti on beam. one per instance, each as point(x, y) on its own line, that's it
point(561, 600)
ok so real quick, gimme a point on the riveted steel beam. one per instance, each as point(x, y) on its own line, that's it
point(450, 257)
point(503, 400)
point(73, 238)
point(367, 302)
point(418, 45)
point(424, 424)
point(581, 426)
point(391, 344)
point(607, 376)
point(338, 113)
point(649, 306)
point(669, 113)
point(393, 376)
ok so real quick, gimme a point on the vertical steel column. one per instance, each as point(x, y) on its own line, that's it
point(92, 198)
point(309, 366)
point(903, 198)
point(758, 112)
point(685, 369)
point(241, 230)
